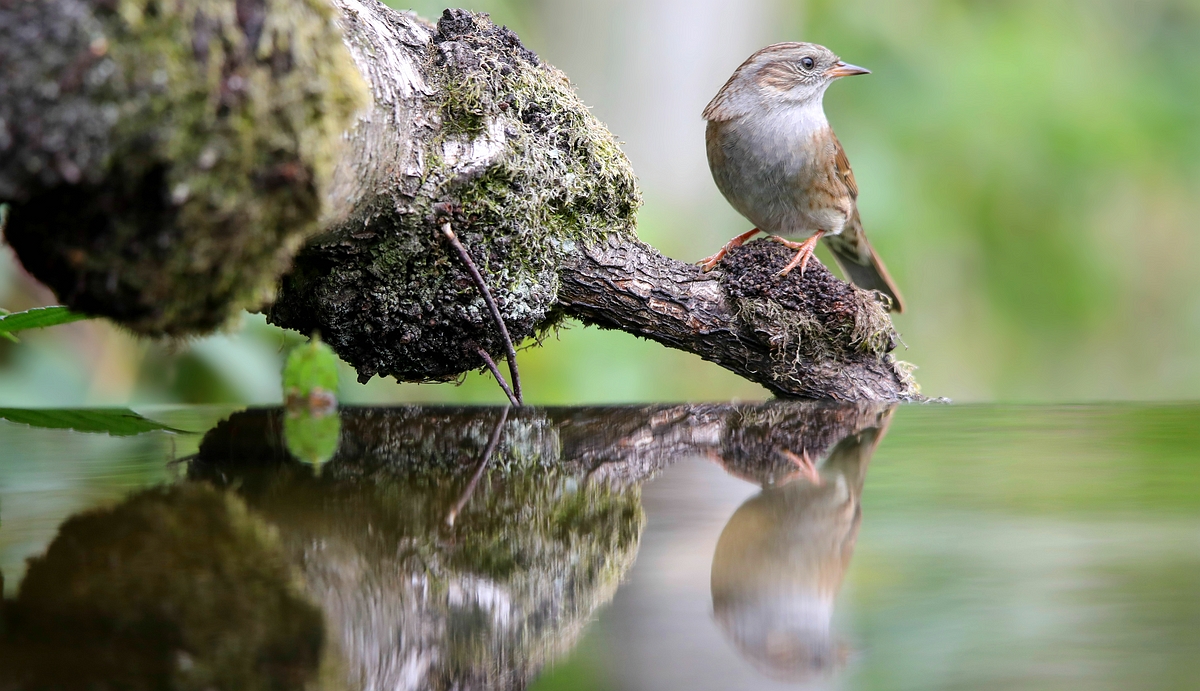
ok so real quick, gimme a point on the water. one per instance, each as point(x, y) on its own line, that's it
point(672, 547)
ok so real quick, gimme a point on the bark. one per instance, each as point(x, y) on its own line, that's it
point(812, 336)
point(465, 125)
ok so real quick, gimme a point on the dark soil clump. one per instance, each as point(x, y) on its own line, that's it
point(751, 273)
point(814, 324)
point(796, 311)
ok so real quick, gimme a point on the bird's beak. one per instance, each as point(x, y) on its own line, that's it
point(842, 69)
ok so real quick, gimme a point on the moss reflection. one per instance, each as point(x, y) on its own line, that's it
point(176, 588)
point(435, 572)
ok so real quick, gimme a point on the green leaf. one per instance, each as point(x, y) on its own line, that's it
point(118, 422)
point(4, 334)
point(38, 317)
point(310, 382)
point(310, 367)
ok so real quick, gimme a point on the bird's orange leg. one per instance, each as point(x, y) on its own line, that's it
point(804, 251)
point(709, 262)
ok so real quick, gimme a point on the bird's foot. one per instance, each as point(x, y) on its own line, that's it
point(804, 252)
point(709, 263)
point(807, 469)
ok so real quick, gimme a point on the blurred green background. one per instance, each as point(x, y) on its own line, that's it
point(1029, 170)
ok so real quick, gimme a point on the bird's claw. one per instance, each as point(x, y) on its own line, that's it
point(709, 263)
point(804, 252)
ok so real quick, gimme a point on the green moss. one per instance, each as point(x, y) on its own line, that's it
point(796, 336)
point(464, 105)
point(562, 175)
point(555, 177)
point(230, 121)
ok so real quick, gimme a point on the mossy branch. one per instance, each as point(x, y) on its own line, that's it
point(213, 149)
point(467, 117)
point(164, 160)
point(812, 336)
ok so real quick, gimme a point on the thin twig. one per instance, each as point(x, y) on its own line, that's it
point(510, 351)
point(491, 364)
point(487, 455)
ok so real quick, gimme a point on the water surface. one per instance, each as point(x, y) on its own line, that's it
point(778, 545)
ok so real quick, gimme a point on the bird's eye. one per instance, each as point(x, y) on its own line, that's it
point(807, 63)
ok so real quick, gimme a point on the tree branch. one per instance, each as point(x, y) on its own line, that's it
point(497, 135)
point(835, 344)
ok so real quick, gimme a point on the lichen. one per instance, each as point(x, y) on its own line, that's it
point(909, 381)
point(550, 175)
point(228, 119)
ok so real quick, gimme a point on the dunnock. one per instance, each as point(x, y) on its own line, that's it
point(776, 159)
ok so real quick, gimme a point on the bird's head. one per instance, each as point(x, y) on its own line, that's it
point(794, 74)
point(797, 71)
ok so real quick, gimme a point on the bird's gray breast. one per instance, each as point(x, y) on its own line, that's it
point(767, 164)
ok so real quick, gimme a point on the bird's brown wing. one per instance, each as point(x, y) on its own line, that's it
point(854, 254)
point(842, 164)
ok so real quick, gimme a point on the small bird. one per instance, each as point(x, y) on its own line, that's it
point(776, 159)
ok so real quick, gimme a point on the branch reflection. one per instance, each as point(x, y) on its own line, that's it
point(448, 548)
point(440, 548)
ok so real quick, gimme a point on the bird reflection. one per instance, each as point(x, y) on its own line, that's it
point(781, 558)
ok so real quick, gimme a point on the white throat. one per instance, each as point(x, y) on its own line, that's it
point(808, 115)
point(788, 121)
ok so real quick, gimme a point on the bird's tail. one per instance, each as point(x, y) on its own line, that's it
point(861, 264)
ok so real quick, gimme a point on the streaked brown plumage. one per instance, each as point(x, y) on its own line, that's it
point(776, 159)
